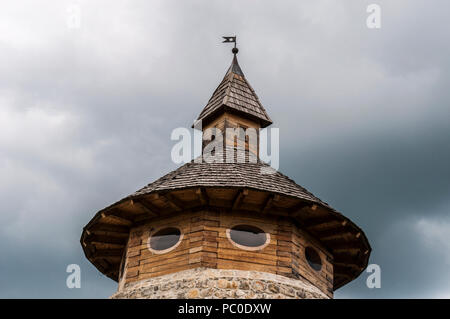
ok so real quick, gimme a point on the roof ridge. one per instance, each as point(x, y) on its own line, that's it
point(228, 89)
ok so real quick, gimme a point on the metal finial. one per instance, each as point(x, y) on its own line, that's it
point(233, 39)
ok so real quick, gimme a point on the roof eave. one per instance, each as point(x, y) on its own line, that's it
point(226, 109)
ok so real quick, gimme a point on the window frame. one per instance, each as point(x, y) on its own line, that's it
point(248, 248)
point(164, 251)
point(309, 263)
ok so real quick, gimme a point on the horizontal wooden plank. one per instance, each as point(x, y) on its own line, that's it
point(246, 259)
point(161, 265)
point(231, 264)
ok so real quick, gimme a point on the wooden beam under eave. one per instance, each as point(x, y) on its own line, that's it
point(345, 258)
point(298, 209)
point(317, 221)
point(335, 232)
point(340, 250)
point(302, 208)
point(278, 211)
point(151, 206)
point(113, 234)
point(116, 216)
point(144, 207)
point(267, 203)
point(112, 273)
point(342, 246)
point(345, 276)
point(108, 228)
point(102, 239)
point(352, 266)
point(143, 220)
point(111, 259)
point(173, 201)
point(341, 279)
point(101, 253)
point(203, 196)
point(104, 264)
point(239, 198)
point(345, 269)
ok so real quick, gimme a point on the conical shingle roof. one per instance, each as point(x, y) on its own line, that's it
point(351, 247)
point(258, 176)
point(234, 94)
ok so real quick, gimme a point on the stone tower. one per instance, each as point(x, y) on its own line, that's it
point(224, 228)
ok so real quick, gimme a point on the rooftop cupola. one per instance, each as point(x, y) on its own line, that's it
point(234, 104)
point(225, 229)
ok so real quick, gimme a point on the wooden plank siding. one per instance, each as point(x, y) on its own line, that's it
point(205, 244)
point(229, 120)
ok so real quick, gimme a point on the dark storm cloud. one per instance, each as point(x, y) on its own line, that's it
point(86, 116)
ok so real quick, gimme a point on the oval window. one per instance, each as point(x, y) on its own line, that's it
point(313, 258)
point(248, 236)
point(165, 238)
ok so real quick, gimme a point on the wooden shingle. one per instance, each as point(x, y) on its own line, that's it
point(235, 94)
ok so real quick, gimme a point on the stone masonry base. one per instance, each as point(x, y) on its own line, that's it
point(220, 283)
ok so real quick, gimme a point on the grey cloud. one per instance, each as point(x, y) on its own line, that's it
point(86, 117)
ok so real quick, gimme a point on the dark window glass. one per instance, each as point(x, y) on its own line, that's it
point(247, 235)
point(241, 133)
point(313, 258)
point(165, 238)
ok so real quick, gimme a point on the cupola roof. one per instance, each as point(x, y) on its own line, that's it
point(234, 94)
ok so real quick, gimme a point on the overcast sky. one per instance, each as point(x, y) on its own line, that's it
point(86, 115)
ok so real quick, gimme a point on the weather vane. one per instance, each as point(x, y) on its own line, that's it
point(235, 50)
